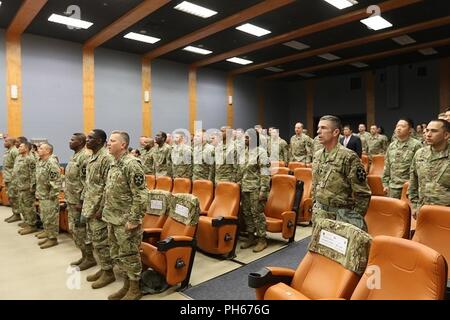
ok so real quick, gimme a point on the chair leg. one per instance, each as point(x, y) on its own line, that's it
point(185, 284)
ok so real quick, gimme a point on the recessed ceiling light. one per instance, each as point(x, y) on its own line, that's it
point(341, 4)
point(404, 40)
point(239, 60)
point(274, 69)
point(296, 45)
point(376, 23)
point(359, 64)
point(197, 50)
point(254, 30)
point(195, 10)
point(428, 51)
point(77, 23)
point(307, 75)
point(141, 37)
point(329, 56)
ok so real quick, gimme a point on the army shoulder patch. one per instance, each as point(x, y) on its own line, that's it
point(53, 175)
point(361, 174)
point(139, 179)
point(83, 171)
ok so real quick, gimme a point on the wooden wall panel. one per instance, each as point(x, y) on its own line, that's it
point(88, 90)
point(147, 119)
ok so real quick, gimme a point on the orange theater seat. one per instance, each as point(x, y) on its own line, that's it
point(281, 208)
point(164, 183)
point(277, 164)
point(433, 229)
point(400, 269)
point(305, 208)
point(150, 181)
point(323, 273)
point(173, 254)
point(389, 217)
point(204, 191)
point(217, 231)
point(294, 165)
point(365, 162)
point(377, 165)
point(376, 185)
point(279, 170)
point(156, 214)
point(182, 185)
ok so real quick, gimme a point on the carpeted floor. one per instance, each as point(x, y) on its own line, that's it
point(233, 285)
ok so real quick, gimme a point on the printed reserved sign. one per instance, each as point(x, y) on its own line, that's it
point(156, 204)
point(333, 241)
point(182, 210)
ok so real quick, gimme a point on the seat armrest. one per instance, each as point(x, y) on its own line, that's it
point(175, 242)
point(62, 205)
point(151, 233)
point(203, 213)
point(222, 221)
point(270, 275)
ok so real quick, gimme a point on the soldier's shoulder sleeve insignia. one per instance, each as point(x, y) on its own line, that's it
point(360, 174)
point(139, 179)
point(53, 175)
point(83, 170)
point(32, 165)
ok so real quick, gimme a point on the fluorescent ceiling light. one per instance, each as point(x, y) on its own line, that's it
point(376, 23)
point(254, 30)
point(141, 37)
point(239, 60)
point(195, 10)
point(296, 45)
point(307, 75)
point(341, 4)
point(404, 40)
point(428, 51)
point(274, 69)
point(77, 23)
point(359, 64)
point(197, 50)
point(329, 56)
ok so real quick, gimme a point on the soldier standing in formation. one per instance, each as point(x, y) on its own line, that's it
point(203, 155)
point(9, 158)
point(181, 157)
point(162, 156)
point(300, 146)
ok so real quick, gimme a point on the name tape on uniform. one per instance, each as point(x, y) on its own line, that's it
point(182, 210)
point(333, 241)
point(156, 204)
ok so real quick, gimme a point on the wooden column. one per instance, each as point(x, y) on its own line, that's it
point(88, 90)
point(444, 101)
point(261, 102)
point(147, 106)
point(14, 77)
point(192, 98)
point(310, 91)
point(370, 98)
point(230, 110)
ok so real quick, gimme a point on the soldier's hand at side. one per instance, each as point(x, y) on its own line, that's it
point(385, 190)
point(130, 226)
point(414, 214)
point(98, 215)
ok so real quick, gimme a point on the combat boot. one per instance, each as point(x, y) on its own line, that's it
point(122, 292)
point(88, 261)
point(250, 242)
point(134, 292)
point(28, 230)
point(14, 218)
point(40, 243)
point(106, 278)
point(39, 233)
point(22, 224)
point(42, 235)
point(49, 243)
point(10, 217)
point(95, 276)
point(261, 244)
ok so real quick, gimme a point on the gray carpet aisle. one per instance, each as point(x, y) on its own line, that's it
point(233, 285)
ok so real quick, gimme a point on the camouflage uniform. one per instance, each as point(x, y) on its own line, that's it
point(203, 168)
point(162, 160)
point(48, 186)
point(24, 175)
point(364, 137)
point(225, 159)
point(96, 173)
point(147, 161)
point(125, 201)
point(8, 164)
point(377, 144)
point(430, 178)
point(75, 180)
point(181, 161)
point(397, 163)
point(281, 146)
point(340, 191)
point(301, 149)
point(255, 179)
point(316, 146)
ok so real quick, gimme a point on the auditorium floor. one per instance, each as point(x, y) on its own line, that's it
point(28, 272)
